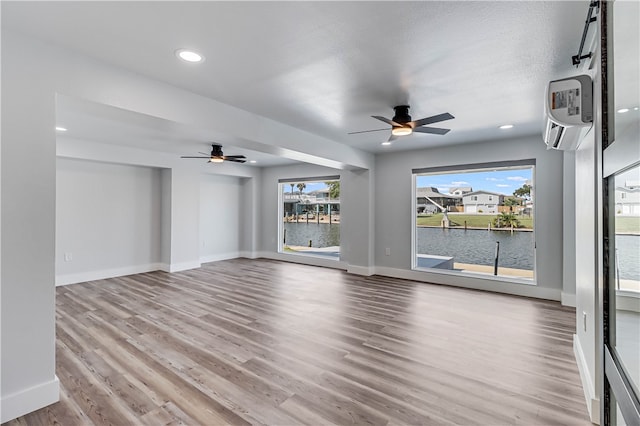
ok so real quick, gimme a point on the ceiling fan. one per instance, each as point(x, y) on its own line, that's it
point(402, 125)
point(218, 157)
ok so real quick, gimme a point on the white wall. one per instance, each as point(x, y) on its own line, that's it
point(393, 213)
point(569, 229)
point(107, 220)
point(220, 217)
point(586, 271)
point(28, 232)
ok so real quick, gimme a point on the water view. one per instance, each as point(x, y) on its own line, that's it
point(320, 234)
point(478, 246)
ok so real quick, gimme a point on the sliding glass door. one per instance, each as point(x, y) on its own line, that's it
point(621, 172)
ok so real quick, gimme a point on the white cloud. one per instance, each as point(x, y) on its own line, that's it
point(502, 185)
point(459, 182)
point(492, 179)
point(518, 178)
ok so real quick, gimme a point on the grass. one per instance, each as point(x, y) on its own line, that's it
point(627, 225)
point(473, 220)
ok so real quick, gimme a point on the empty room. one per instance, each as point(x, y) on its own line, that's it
point(289, 213)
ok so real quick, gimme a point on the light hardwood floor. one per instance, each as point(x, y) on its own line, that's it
point(265, 342)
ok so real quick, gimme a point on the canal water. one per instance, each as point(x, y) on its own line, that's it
point(628, 247)
point(321, 234)
point(470, 246)
point(478, 246)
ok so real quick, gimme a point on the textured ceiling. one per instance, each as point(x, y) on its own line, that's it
point(326, 67)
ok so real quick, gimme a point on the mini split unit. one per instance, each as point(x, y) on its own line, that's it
point(568, 112)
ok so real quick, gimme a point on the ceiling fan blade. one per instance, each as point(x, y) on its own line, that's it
point(432, 119)
point(366, 131)
point(392, 138)
point(433, 130)
point(229, 157)
point(207, 157)
point(386, 120)
point(235, 160)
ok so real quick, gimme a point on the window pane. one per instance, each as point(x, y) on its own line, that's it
point(311, 218)
point(627, 272)
point(474, 220)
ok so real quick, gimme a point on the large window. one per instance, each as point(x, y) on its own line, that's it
point(310, 217)
point(476, 219)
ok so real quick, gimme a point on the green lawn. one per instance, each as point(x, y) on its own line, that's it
point(473, 220)
point(627, 225)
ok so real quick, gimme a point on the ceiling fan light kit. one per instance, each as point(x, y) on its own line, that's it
point(401, 131)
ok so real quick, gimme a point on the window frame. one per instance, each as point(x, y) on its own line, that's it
point(478, 167)
point(280, 227)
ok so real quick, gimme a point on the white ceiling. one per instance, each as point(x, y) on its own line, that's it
point(325, 67)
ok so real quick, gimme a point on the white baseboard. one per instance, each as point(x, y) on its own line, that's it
point(28, 400)
point(592, 401)
point(248, 254)
point(568, 299)
point(182, 266)
point(217, 257)
point(106, 273)
point(367, 271)
point(490, 283)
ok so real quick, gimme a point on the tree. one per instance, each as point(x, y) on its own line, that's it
point(506, 220)
point(301, 186)
point(334, 188)
point(511, 201)
point(523, 192)
point(292, 185)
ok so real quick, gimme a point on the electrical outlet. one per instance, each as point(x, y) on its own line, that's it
point(68, 257)
point(584, 321)
point(387, 251)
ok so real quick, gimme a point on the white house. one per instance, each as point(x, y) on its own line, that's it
point(482, 202)
point(628, 201)
point(461, 190)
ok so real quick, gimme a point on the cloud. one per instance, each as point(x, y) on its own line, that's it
point(502, 185)
point(459, 182)
point(518, 178)
point(492, 179)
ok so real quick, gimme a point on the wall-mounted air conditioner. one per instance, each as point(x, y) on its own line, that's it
point(568, 112)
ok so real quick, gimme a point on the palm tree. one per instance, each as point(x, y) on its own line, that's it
point(301, 186)
point(506, 220)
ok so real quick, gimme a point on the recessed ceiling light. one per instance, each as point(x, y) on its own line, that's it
point(635, 109)
point(623, 110)
point(387, 143)
point(61, 129)
point(253, 161)
point(189, 55)
point(506, 126)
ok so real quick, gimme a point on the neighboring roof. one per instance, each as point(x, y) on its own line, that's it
point(430, 191)
point(484, 192)
point(462, 189)
point(627, 189)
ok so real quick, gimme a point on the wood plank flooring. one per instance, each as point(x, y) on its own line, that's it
point(264, 342)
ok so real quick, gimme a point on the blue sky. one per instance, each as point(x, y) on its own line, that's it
point(500, 181)
point(311, 186)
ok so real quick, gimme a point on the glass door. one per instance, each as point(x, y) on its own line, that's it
point(621, 171)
